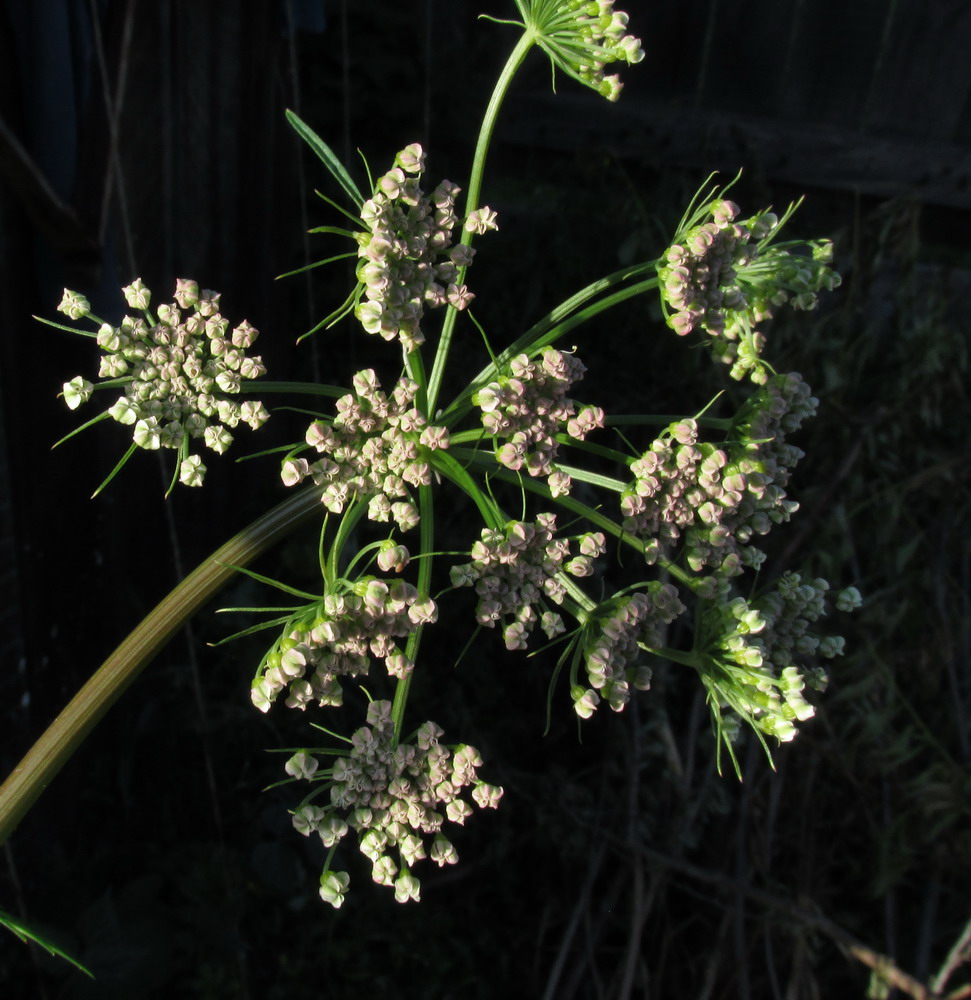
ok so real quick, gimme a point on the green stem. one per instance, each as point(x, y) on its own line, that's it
point(674, 655)
point(64, 735)
point(443, 463)
point(348, 523)
point(258, 386)
point(427, 528)
point(513, 63)
point(550, 329)
point(595, 518)
point(415, 367)
point(584, 605)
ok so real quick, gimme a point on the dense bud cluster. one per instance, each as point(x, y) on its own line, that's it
point(527, 408)
point(396, 797)
point(717, 499)
point(751, 649)
point(180, 372)
point(407, 261)
point(725, 277)
point(377, 446)
point(583, 37)
point(336, 638)
point(613, 640)
point(515, 571)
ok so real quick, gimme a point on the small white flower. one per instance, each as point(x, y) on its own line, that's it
point(217, 438)
point(192, 471)
point(407, 887)
point(137, 295)
point(77, 391)
point(584, 701)
point(228, 381)
point(384, 870)
point(301, 765)
point(333, 886)
point(423, 612)
point(392, 557)
point(411, 159)
point(244, 335)
point(186, 292)
point(459, 296)
point(481, 220)
point(252, 367)
point(254, 413)
point(307, 818)
point(443, 852)
point(486, 796)
point(74, 305)
point(146, 434)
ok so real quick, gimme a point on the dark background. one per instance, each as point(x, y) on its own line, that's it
point(148, 139)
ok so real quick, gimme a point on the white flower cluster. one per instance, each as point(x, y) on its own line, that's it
point(407, 261)
point(396, 797)
point(375, 447)
point(717, 499)
point(527, 408)
point(725, 277)
point(751, 649)
point(613, 638)
point(180, 372)
point(337, 638)
point(514, 570)
point(583, 37)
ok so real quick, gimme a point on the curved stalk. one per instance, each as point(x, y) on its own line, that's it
point(513, 63)
point(594, 517)
point(65, 734)
point(427, 528)
point(542, 334)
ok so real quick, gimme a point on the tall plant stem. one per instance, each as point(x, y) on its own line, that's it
point(424, 586)
point(65, 734)
point(513, 63)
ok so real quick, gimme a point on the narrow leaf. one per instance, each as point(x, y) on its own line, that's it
point(328, 157)
point(26, 934)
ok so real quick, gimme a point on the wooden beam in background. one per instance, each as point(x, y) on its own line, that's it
point(818, 156)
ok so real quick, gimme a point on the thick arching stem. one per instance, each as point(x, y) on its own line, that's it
point(66, 733)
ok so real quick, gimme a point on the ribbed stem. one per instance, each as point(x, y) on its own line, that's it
point(65, 734)
point(513, 63)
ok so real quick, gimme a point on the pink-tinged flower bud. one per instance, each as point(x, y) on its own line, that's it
point(392, 557)
point(137, 295)
point(405, 514)
point(481, 220)
point(411, 159)
point(459, 296)
point(186, 292)
point(301, 765)
point(333, 886)
point(192, 471)
point(423, 612)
